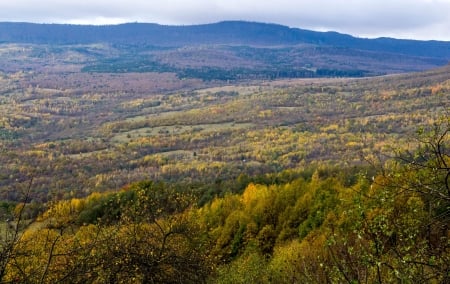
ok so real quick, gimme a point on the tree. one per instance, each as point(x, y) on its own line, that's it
point(427, 169)
point(398, 229)
point(156, 239)
point(13, 233)
point(151, 237)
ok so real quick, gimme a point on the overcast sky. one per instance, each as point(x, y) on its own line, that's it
point(416, 19)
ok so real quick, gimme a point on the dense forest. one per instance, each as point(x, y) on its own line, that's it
point(75, 139)
point(381, 223)
point(134, 163)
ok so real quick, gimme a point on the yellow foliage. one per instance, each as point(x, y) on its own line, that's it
point(436, 89)
point(302, 261)
point(353, 144)
point(249, 194)
point(330, 128)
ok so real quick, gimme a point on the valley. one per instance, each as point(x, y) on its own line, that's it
point(297, 157)
point(136, 120)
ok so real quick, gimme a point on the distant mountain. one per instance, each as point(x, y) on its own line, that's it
point(229, 33)
point(227, 51)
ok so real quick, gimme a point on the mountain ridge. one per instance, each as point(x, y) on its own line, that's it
point(225, 32)
point(229, 50)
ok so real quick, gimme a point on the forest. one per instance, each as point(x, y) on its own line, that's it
point(149, 176)
point(385, 222)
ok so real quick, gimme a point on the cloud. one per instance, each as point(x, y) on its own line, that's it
point(422, 19)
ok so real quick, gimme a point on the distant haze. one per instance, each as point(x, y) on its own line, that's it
point(413, 19)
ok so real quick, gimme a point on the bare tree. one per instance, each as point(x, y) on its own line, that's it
point(12, 234)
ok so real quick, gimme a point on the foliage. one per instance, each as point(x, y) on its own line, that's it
point(257, 183)
point(381, 231)
point(308, 228)
point(154, 239)
point(79, 133)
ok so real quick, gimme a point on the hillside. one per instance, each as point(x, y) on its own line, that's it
point(226, 153)
point(226, 50)
point(225, 33)
point(77, 133)
point(304, 181)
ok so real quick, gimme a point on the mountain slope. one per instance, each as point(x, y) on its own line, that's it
point(233, 50)
point(230, 32)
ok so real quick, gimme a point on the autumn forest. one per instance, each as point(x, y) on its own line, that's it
point(138, 164)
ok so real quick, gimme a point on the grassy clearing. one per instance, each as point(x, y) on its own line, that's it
point(140, 118)
point(85, 155)
point(177, 130)
point(177, 155)
point(242, 90)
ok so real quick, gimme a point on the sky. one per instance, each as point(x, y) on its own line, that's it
point(412, 19)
